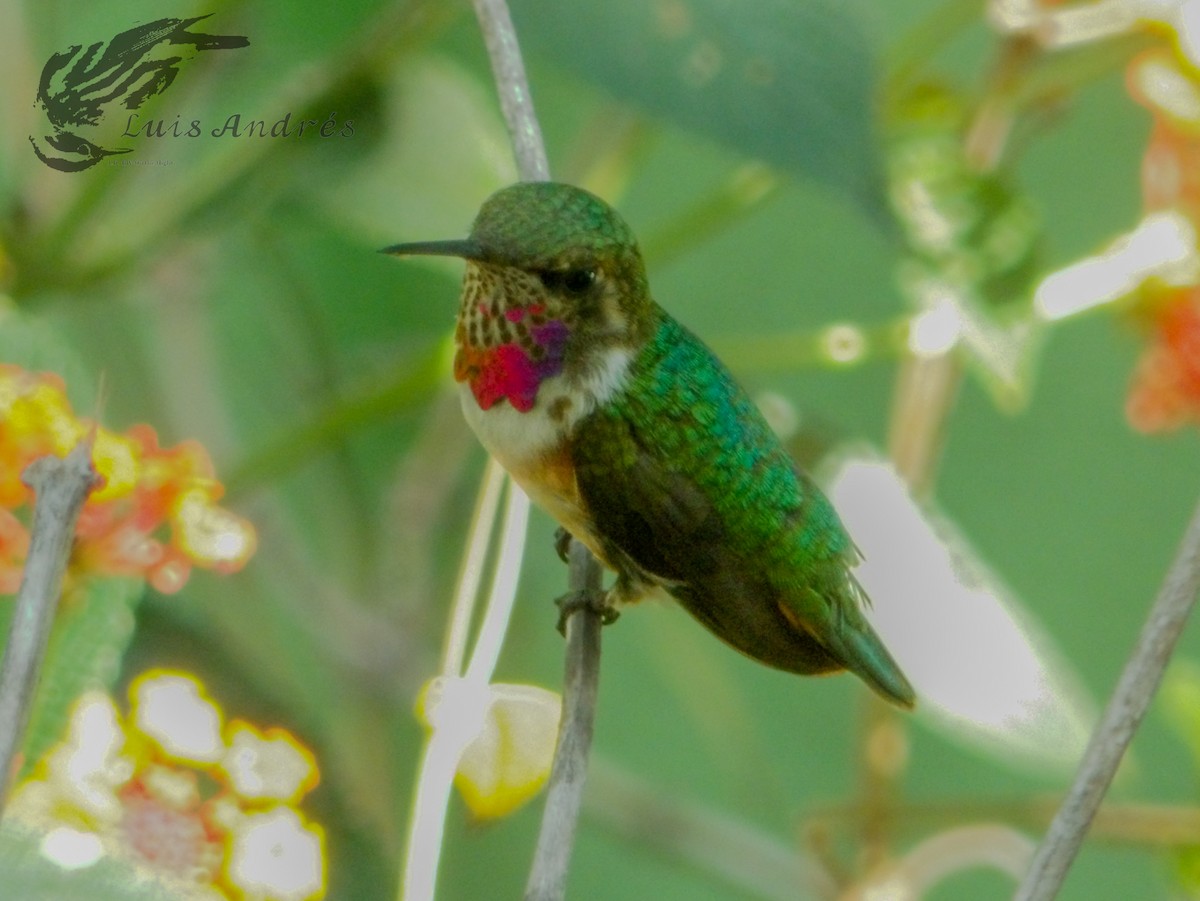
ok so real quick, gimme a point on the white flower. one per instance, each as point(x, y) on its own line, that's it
point(276, 856)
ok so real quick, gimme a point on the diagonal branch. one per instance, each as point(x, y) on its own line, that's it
point(1124, 713)
point(60, 485)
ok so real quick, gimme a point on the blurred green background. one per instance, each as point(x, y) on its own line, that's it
point(228, 289)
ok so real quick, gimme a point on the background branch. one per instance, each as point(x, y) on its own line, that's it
point(60, 486)
point(1124, 713)
point(1133, 825)
point(733, 851)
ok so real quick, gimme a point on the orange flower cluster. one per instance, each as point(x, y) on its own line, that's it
point(156, 514)
point(1165, 392)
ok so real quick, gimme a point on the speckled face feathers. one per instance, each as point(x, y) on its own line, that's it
point(507, 341)
point(552, 273)
point(554, 282)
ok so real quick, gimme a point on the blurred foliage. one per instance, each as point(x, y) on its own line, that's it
point(227, 289)
point(28, 875)
point(85, 652)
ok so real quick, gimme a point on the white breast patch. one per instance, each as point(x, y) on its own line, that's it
point(518, 439)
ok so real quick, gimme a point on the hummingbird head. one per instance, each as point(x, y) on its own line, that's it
point(554, 279)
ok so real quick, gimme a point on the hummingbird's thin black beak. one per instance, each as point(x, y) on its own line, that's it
point(467, 249)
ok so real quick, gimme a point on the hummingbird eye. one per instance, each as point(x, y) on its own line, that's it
point(579, 281)
point(575, 282)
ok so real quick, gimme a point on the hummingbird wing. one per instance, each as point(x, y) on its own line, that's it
point(688, 487)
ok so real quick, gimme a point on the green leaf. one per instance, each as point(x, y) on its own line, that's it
point(444, 150)
point(1180, 698)
point(972, 244)
point(30, 876)
point(785, 81)
point(91, 635)
point(36, 343)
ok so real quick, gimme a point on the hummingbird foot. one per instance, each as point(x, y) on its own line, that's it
point(584, 599)
point(562, 545)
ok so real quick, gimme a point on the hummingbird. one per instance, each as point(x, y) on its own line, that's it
point(627, 429)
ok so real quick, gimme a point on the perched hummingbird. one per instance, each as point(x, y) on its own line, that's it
point(629, 431)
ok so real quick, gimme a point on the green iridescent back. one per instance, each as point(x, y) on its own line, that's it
point(707, 428)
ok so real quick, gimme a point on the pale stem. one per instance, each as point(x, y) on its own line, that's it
point(926, 389)
point(445, 747)
point(451, 734)
point(1129, 825)
point(427, 824)
point(60, 486)
point(1120, 721)
point(471, 573)
point(945, 854)
point(504, 588)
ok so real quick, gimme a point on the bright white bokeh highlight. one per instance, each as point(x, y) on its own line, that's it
point(977, 662)
point(89, 764)
point(1163, 245)
point(171, 710)
point(72, 849)
point(271, 766)
point(1072, 24)
point(935, 331)
point(275, 855)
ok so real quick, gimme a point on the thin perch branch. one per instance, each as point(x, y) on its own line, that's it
point(60, 485)
point(1124, 713)
point(516, 102)
point(564, 796)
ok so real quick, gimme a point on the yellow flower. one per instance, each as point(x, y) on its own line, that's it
point(507, 735)
point(267, 765)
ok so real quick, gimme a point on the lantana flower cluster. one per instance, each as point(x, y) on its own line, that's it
point(1166, 389)
point(156, 513)
point(1165, 79)
point(186, 798)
